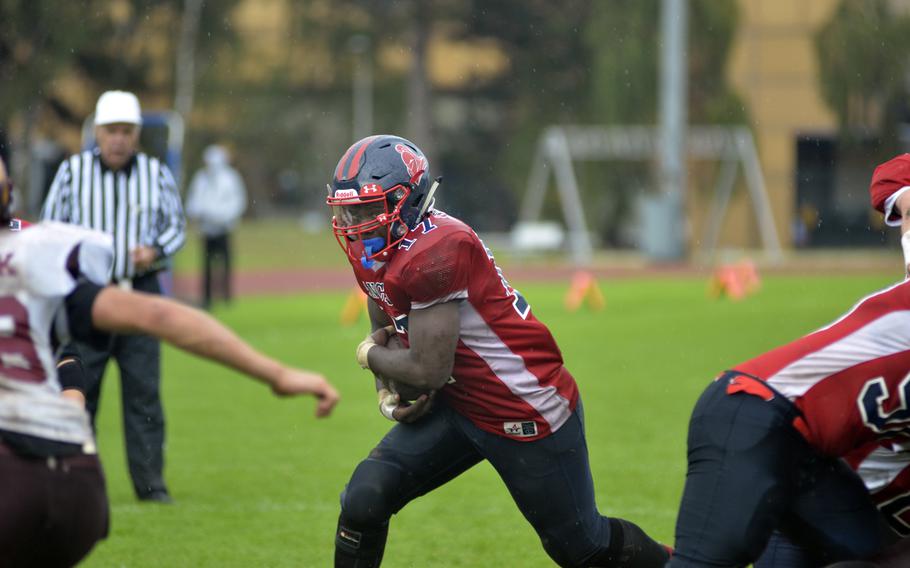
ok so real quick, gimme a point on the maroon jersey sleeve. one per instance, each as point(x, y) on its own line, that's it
point(440, 273)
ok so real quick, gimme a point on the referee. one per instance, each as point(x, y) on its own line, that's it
point(132, 197)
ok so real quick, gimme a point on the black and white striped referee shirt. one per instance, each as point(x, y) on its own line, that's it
point(138, 205)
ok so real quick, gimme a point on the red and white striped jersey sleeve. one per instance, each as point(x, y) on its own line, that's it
point(851, 379)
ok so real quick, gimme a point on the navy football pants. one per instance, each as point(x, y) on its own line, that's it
point(549, 479)
point(750, 472)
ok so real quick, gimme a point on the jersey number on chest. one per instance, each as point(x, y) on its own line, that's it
point(875, 398)
point(18, 356)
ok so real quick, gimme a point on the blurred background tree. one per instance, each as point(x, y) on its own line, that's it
point(623, 40)
point(862, 54)
point(473, 82)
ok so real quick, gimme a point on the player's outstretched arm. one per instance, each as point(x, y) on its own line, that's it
point(121, 311)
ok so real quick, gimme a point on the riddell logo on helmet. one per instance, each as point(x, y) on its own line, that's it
point(345, 193)
point(370, 189)
point(414, 163)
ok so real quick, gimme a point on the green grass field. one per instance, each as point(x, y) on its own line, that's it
point(279, 243)
point(256, 479)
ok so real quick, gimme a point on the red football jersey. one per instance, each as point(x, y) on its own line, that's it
point(851, 379)
point(508, 377)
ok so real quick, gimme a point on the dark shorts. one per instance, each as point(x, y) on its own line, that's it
point(751, 472)
point(52, 510)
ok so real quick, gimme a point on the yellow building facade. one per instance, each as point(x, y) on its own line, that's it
point(774, 69)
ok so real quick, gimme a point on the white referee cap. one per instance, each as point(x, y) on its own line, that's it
point(118, 106)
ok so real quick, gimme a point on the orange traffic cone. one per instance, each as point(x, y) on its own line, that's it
point(749, 276)
point(584, 289)
point(355, 305)
point(735, 281)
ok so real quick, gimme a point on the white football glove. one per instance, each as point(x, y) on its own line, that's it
point(363, 350)
point(368, 343)
point(388, 402)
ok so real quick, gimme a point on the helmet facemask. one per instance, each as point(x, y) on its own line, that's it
point(368, 224)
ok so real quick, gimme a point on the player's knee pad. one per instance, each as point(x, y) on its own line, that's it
point(370, 497)
point(359, 548)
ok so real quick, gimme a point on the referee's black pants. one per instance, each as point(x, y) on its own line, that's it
point(751, 472)
point(139, 359)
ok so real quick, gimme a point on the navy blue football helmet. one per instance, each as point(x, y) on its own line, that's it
point(378, 194)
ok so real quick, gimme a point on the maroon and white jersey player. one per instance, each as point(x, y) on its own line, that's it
point(508, 377)
point(34, 282)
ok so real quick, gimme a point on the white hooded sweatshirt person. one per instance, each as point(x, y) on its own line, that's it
point(216, 200)
point(217, 196)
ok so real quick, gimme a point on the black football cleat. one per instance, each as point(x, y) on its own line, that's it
point(161, 497)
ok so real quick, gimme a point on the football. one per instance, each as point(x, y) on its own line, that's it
point(404, 390)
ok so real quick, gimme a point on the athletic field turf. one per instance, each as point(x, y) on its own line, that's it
point(256, 479)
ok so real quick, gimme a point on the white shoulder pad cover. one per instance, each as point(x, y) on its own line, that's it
point(47, 245)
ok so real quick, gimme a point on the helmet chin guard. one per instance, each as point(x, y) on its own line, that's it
point(379, 192)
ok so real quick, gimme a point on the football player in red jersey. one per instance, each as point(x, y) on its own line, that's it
point(500, 391)
point(766, 440)
point(773, 443)
point(53, 503)
point(883, 466)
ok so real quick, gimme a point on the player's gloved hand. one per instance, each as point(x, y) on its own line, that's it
point(388, 402)
point(378, 337)
point(390, 406)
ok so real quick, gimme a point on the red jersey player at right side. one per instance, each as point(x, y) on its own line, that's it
point(767, 438)
point(883, 465)
point(502, 393)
